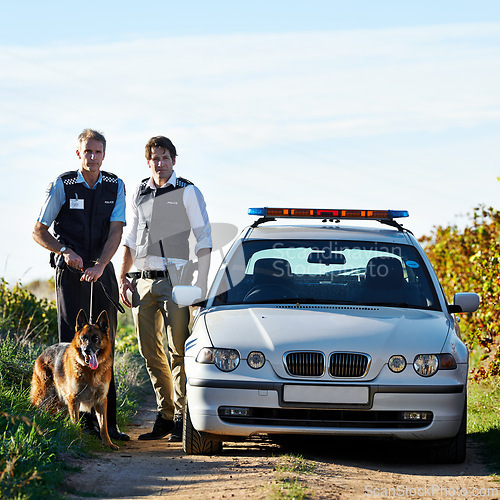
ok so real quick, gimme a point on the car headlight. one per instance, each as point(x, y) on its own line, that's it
point(426, 365)
point(397, 363)
point(256, 360)
point(226, 360)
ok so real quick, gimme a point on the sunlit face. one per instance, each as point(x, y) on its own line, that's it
point(91, 154)
point(161, 165)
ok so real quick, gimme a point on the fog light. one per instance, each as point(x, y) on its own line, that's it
point(417, 415)
point(256, 360)
point(232, 411)
point(397, 363)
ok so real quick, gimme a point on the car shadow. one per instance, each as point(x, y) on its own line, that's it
point(381, 454)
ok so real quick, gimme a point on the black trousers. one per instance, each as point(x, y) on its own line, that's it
point(73, 295)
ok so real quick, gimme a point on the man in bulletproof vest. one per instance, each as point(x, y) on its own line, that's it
point(87, 210)
point(165, 209)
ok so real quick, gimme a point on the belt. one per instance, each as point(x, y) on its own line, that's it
point(149, 275)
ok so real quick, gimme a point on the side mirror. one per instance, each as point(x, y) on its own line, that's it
point(464, 302)
point(186, 295)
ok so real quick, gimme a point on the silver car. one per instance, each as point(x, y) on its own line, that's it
point(327, 329)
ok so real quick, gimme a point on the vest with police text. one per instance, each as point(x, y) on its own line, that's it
point(83, 221)
point(163, 225)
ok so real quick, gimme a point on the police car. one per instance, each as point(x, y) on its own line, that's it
point(327, 329)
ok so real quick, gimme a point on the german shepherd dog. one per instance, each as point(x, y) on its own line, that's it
point(77, 374)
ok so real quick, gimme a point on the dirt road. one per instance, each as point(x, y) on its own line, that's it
point(336, 469)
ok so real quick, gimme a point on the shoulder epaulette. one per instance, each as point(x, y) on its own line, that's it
point(143, 186)
point(181, 182)
point(69, 178)
point(109, 177)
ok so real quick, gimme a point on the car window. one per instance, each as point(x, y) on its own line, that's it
point(330, 272)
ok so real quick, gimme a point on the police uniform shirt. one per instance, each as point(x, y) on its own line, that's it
point(196, 211)
point(55, 198)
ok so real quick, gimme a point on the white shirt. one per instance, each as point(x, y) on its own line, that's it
point(196, 211)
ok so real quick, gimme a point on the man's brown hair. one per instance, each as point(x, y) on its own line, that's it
point(160, 142)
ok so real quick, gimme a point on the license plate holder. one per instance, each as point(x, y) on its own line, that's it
point(325, 394)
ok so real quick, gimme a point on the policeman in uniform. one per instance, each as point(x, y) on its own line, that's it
point(165, 209)
point(87, 210)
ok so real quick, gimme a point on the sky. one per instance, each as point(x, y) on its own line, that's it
point(369, 104)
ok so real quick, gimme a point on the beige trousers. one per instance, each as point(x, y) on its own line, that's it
point(153, 310)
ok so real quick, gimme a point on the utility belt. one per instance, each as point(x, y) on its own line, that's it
point(148, 275)
point(57, 261)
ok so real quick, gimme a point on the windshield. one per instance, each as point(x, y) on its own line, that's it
point(326, 272)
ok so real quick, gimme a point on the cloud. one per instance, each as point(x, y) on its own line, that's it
point(307, 118)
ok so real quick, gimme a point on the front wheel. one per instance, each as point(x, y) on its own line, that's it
point(195, 443)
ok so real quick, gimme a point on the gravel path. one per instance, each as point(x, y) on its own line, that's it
point(334, 469)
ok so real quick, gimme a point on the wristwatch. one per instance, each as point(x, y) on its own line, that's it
point(63, 249)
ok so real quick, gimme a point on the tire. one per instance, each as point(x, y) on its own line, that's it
point(452, 450)
point(195, 443)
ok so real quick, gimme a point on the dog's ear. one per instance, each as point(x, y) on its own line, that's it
point(81, 320)
point(103, 322)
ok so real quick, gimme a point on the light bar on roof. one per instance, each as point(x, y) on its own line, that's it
point(317, 213)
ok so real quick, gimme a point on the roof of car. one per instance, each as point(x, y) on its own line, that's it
point(326, 232)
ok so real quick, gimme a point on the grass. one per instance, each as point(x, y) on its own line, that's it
point(34, 445)
point(31, 443)
point(288, 483)
point(296, 464)
point(483, 419)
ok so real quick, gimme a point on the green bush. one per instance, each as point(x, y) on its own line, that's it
point(468, 260)
point(25, 316)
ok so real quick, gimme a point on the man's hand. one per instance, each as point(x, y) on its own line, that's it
point(43, 237)
point(72, 259)
point(124, 286)
point(93, 273)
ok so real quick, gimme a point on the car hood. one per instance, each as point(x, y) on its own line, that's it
point(377, 331)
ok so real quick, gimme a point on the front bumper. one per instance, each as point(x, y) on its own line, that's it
point(380, 415)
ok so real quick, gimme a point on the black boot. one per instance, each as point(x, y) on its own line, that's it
point(115, 433)
point(90, 425)
point(161, 428)
point(176, 436)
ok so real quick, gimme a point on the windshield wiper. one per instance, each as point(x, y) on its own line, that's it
point(386, 304)
point(283, 301)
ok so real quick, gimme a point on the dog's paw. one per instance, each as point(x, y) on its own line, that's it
point(111, 445)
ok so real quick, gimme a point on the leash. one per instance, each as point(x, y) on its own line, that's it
point(91, 297)
point(117, 304)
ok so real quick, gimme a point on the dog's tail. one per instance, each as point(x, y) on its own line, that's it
point(42, 386)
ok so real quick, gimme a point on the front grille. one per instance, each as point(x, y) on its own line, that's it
point(301, 417)
point(348, 364)
point(305, 364)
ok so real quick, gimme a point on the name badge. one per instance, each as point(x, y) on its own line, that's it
point(76, 204)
